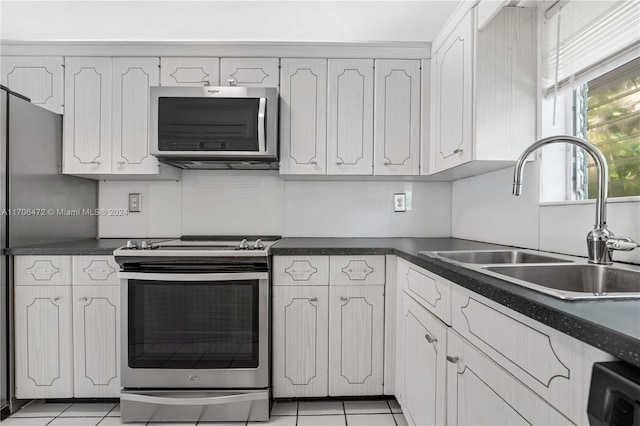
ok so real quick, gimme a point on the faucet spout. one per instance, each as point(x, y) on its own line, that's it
point(602, 171)
point(597, 240)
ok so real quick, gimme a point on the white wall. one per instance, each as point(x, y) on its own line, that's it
point(367, 21)
point(250, 202)
point(483, 209)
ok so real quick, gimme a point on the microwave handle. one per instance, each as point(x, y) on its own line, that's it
point(261, 110)
point(234, 276)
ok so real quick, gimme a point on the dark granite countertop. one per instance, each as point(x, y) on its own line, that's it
point(88, 247)
point(612, 326)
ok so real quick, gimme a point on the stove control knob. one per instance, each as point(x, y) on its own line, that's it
point(258, 245)
point(144, 245)
point(132, 245)
point(244, 245)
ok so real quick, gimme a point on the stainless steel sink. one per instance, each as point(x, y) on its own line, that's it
point(493, 257)
point(577, 281)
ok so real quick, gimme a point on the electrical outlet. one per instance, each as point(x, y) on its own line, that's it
point(135, 203)
point(399, 202)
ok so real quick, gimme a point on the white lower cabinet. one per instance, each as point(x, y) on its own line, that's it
point(479, 392)
point(356, 340)
point(328, 335)
point(96, 343)
point(300, 341)
point(425, 366)
point(67, 333)
point(44, 351)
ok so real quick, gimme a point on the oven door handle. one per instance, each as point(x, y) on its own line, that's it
point(210, 400)
point(233, 276)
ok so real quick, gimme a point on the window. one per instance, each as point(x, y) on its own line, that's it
point(607, 113)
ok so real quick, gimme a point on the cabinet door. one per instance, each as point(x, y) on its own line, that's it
point(250, 72)
point(356, 340)
point(44, 357)
point(397, 117)
point(96, 343)
point(424, 367)
point(87, 119)
point(300, 341)
point(481, 393)
point(350, 117)
point(189, 71)
point(132, 78)
point(453, 91)
point(303, 112)
point(40, 79)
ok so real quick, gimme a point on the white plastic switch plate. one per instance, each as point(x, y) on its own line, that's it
point(399, 203)
point(135, 203)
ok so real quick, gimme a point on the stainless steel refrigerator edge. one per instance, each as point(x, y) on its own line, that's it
point(31, 178)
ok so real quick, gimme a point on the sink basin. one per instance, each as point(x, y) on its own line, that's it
point(577, 281)
point(492, 257)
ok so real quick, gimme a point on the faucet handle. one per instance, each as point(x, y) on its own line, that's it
point(621, 243)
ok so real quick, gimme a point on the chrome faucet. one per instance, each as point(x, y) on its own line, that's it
point(600, 241)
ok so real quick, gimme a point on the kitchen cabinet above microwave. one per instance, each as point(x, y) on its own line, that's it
point(483, 88)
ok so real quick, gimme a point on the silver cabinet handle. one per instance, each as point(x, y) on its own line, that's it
point(430, 338)
point(458, 151)
point(313, 299)
point(83, 299)
point(387, 163)
point(121, 163)
point(339, 163)
point(55, 299)
point(95, 162)
point(231, 81)
point(344, 299)
point(453, 359)
point(313, 162)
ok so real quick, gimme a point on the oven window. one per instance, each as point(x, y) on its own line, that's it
point(208, 124)
point(193, 325)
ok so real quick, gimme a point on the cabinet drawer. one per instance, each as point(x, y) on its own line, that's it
point(431, 291)
point(301, 270)
point(555, 366)
point(95, 270)
point(357, 270)
point(42, 270)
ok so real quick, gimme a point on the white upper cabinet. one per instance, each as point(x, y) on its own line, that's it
point(87, 121)
point(397, 117)
point(249, 72)
point(454, 79)
point(483, 93)
point(189, 71)
point(303, 116)
point(132, 78)
point(350, 117)
point(40, 79)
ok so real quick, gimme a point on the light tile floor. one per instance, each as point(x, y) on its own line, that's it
point(314, 413)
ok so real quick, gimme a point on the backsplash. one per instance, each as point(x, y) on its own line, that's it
point(483, 209)
point(259, 202)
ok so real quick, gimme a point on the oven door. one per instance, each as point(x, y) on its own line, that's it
point(195, 330)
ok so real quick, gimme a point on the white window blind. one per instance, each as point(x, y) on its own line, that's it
point(578, 35)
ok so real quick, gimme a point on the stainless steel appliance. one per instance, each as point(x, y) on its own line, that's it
point(32, 191)
point(195, 330)
point(215, 127)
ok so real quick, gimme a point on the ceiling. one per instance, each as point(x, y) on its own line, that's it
point(251, 21)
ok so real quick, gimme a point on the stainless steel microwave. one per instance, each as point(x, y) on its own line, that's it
point(215, 127)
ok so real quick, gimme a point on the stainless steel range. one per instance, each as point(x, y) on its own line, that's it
point(195, 330)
